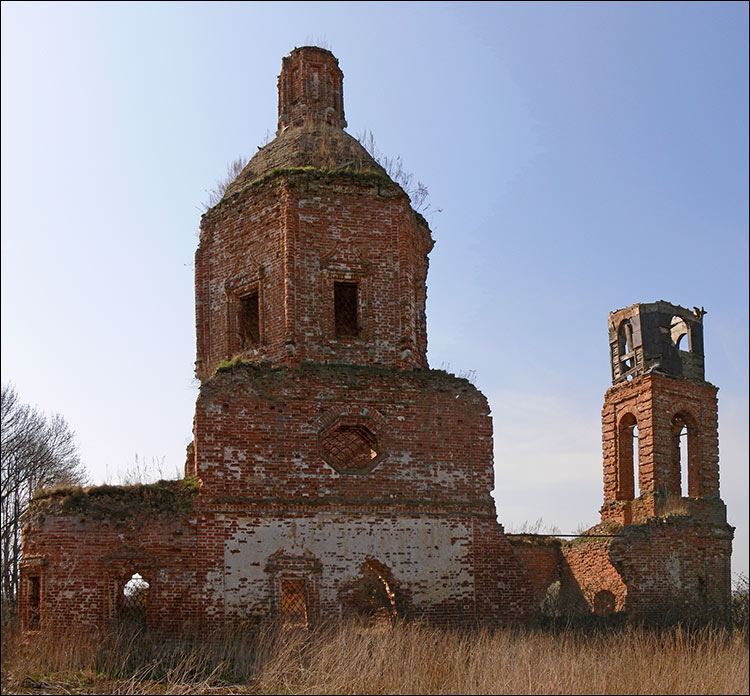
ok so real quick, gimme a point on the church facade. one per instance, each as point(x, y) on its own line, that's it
point(332, 472)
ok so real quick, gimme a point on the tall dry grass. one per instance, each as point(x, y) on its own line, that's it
point(402, 658)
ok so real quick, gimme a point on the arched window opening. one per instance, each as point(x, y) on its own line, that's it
point(373, 596)
point(685, 455)
point(625, 346)
point(133, 600)
point(627, 446)
point(678, 331)
point(604, 603)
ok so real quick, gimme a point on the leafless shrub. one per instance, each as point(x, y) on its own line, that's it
point(740, 602)
point(394, 167)
point(217, 192)
point(674, 505)
point(143, 472)
point(537, 527)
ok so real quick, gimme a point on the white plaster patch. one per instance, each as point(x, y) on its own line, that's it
point(430, 558)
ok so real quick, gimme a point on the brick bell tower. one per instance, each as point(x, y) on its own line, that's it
point(661, 460)
point(660, 429)
point(329, 455)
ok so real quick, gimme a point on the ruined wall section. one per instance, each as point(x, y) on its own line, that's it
point(421, 506)
point(589, 580)
point(541, 558)
point(81, 548)
point(261, 433)
point(674, 567)
point(289, 238)
point(429, 557)
point(446, 566)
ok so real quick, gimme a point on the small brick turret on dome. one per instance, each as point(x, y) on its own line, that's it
point(311, 122)
point(311, 89)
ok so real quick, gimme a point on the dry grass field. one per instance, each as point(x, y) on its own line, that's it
point(389, 659)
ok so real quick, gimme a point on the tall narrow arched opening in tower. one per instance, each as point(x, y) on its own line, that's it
point(685, 454)
point(625, 348)
point(627, 457)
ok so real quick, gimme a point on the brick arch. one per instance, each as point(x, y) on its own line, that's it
point(684, 418)
point(625, 348)
point(374, 594)
point(604, 603)
point(626, 457)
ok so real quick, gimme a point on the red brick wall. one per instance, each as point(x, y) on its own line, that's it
point(269, 507)
point(587, 570)
point(257, 434)
point(83, 563)
point(224, 565)
point(654, 400)
point(674, 566)
point(292, 236)
point(542, 563)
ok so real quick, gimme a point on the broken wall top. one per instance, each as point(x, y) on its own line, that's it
point(656, 337)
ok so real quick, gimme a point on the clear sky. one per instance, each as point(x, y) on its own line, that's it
point(585, 157)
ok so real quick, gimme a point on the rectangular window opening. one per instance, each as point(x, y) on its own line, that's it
point(293, 602)
point(248, 323)
point(345, 309)
point(35, 600)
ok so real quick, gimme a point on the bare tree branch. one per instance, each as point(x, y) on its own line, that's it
point(394, 167)
point(217, 192)
point(35, 451)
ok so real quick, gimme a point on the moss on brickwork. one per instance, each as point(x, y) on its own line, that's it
point(116, 503)
point(314, 146)
point(241, 367)
point(533, 540)
point(368, 176)
point(607, 530)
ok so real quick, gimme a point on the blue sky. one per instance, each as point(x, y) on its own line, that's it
point(585, 157)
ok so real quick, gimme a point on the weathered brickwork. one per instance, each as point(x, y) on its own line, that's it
point(675, 565)
point(542, 560)
point(332, 473)
point(589, 580)
point(663, 547)
point(85, 547)
point(290, 238)
point(652, 402)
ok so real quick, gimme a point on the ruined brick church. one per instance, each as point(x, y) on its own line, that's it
point(332, 472)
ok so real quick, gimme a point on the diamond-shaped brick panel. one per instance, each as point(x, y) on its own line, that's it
point(349, 448)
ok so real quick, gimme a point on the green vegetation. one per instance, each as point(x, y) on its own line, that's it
point(115, 502)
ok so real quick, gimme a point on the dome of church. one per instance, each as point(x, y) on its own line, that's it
point(317, 145)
